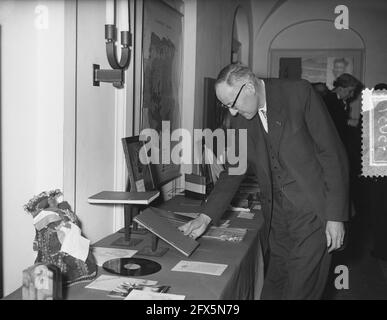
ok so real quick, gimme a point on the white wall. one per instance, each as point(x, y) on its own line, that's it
point(366, 18)
point(242, 33)
point(303, 36)
point(35, 90)
point(31, 122)
point(189, 67)
point(213, 43)
point(95, 123)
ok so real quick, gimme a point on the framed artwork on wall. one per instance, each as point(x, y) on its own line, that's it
point(162, 74)
point(316, 65)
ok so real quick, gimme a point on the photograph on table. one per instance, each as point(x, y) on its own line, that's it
point(122, 290)
point(139, 168)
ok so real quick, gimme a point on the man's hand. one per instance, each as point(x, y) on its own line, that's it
point(335, 235)
point(196, 227)
point(353, 122)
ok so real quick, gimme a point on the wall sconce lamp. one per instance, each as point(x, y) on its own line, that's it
point(115, 75)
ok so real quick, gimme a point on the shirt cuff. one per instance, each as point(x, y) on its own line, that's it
point(206, 218)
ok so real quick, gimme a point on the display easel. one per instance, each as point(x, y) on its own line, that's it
point(129, 213)
point(140, 177)
point(132, 202)
point(154, 250)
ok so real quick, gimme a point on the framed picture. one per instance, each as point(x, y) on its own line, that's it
point(140, 174)
point(316, 65)
point(162, 47)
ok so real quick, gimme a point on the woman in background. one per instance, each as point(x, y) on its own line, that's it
point(339, 102)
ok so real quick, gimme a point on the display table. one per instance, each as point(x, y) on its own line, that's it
point(242, 279)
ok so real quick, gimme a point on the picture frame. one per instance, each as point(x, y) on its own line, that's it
point(316, 65)
point(140, 174)
point(161, 74)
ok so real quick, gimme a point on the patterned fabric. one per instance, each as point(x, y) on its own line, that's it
point(48, 244)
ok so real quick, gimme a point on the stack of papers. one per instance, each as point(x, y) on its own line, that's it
point(239, 209)
point(226, 234)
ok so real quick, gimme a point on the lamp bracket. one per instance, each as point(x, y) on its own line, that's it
point(116, 75)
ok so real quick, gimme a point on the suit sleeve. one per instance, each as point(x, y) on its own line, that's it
point(221, 196)
point(227, 185)
point(331, 154)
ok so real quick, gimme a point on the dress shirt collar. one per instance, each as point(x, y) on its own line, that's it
point(264, 107)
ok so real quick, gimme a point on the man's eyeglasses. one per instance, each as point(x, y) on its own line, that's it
point(236, 99)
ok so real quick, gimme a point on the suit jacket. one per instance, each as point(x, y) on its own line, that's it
point(307, 143)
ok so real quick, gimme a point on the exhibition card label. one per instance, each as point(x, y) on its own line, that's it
point(214, 269)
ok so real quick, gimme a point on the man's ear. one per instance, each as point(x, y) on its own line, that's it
point(250, 87)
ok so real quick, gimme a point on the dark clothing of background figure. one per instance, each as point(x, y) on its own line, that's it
point(304, 142)
point(375, 192)
point(339, 114)
point(377, 200)
point(351, 138)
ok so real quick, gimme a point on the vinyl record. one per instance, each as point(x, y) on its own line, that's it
point(131, 266)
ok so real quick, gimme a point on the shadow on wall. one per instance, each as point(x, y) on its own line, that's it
point(241, 37)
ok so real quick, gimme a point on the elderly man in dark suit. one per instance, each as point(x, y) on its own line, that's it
point(295, 151)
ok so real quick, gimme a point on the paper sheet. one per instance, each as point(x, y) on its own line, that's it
point(148, 295)
point(231, 208)
point(245, 215)
point(215, 269)
point(140, 185)
point(225, 234)
point(104, 254)
point(109, 283)
point(74, 244)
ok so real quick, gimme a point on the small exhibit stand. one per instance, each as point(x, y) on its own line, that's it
point(132, 202)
